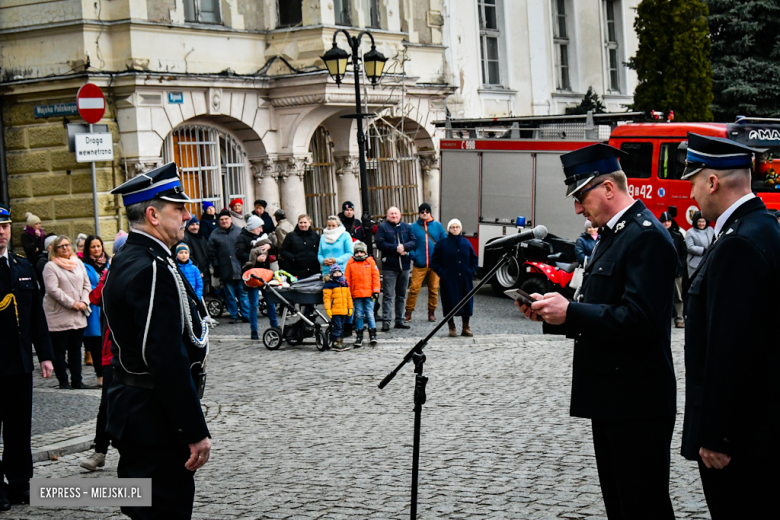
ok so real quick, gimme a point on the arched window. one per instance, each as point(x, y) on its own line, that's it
point(319, 180)
point(211, 163)
point(393, 171)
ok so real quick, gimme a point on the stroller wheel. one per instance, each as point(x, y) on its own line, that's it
point(215, 308)
point(272, 338)
point(322, 339)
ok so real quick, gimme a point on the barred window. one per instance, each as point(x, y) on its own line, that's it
point(393, 171)
point(319, 180)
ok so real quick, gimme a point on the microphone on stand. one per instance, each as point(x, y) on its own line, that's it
point(511, 241)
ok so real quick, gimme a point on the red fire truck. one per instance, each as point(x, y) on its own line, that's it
point(494, 170)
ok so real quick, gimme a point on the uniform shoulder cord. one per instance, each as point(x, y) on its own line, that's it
point(6, 302)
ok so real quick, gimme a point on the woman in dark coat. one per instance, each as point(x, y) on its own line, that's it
point(586, 243)
point(299, 249)
point(208, 220)
point(455, 261)
point(32, 238)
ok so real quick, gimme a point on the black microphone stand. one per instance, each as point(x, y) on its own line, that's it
point(416, 355)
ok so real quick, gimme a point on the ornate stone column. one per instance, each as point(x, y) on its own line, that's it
point(431, 177)
point(291, 170)
point(136, 165)
point(348, 180)
point(266, 175)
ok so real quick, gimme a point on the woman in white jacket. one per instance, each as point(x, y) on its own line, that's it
point(698, 239)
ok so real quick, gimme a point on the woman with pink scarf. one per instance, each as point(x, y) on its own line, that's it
point(66, 305)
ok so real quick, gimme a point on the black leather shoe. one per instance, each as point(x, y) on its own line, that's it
point(19, 497)
point(5, 504)
point(80, 386)
point(402, 326)
point(65, 386)
point(385, 327)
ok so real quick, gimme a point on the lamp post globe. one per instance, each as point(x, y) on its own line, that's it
point(336, 62)
point(374, 63)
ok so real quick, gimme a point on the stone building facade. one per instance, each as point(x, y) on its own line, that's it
point(233, 91)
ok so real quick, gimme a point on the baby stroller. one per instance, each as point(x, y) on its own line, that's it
point(304, 293)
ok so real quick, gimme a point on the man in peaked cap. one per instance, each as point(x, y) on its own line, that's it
point(23, 324)
point(732, 355)
point(154, 414)
point(620, 320)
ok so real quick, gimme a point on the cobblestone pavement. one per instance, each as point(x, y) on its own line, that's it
point(303, 434)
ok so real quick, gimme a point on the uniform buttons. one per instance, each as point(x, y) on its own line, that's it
point(600, 269)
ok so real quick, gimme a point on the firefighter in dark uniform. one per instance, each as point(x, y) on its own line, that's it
point(23, 324)
point(732, 351)
point(623, 378)
point(160, 343)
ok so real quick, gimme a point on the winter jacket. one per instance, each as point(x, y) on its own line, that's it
point(222, 254)
point(208, 223)
point(283, 228)
point(299, 252)
point(353, 226)
point(39, 265)
point(199, 250)
point(96, 298)
point(455, 261)
point(697, 241)
point(584, 247)
point(337, 299)
point(32, 245)
point(421, 255)
point(362, 277)
point(238, 219)
point(93, 320)
point(192, 274)
point(388, 236)
point(340, 248)
point(63, 289)
point(244, 249)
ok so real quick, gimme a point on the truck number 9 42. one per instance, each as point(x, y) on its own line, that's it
point(645, 191)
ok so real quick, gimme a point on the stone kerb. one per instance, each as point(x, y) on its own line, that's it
point(45, 179)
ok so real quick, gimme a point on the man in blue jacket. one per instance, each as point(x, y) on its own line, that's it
point(426, 232)
point(395, 240)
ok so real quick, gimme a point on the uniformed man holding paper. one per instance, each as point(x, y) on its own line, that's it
point(160, 343)
point(623, 378)
point(732, 351)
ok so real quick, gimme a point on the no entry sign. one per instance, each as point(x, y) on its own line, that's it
point(91, 103)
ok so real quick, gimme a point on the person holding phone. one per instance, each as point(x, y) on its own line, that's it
point(622, 378)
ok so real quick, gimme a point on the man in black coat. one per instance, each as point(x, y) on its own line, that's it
point(23, 324)
point(623, 378)
point(732, 354)
point(222, 255)
point(154, 414)
point(353, 225)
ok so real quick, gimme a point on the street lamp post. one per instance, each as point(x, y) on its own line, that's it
point(336, 62)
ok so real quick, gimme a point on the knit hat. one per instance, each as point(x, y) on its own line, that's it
point(261, 202)
point(182, 247)
point(236, 201)
point(280, 215)
point(207, 204)
point(32, 219)
point(665, 217)
point(360, 246)
point(253, 222)
point(193, 220)
point(225, 213)
point(454, 221)
point(334, 268)
point(49, 239)
point(346, 205)
point(119, 241)
point(424, 206)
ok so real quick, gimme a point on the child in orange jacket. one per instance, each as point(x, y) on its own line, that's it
point(363, 279)
point(338, 304)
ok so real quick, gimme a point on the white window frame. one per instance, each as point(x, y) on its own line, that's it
point(612, 46)
point(486, 34)
point(561, 43)
point(193, 6)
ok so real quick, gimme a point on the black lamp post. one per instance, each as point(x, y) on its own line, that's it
point(336, 61)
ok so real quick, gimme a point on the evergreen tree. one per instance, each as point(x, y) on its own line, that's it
point(589, 102)
point(745, 57)
point(672, 62)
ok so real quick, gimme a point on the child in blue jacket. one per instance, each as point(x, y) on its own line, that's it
point(188, 269)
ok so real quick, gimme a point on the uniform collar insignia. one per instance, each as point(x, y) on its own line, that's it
point(647, 223)
point(620, 225)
